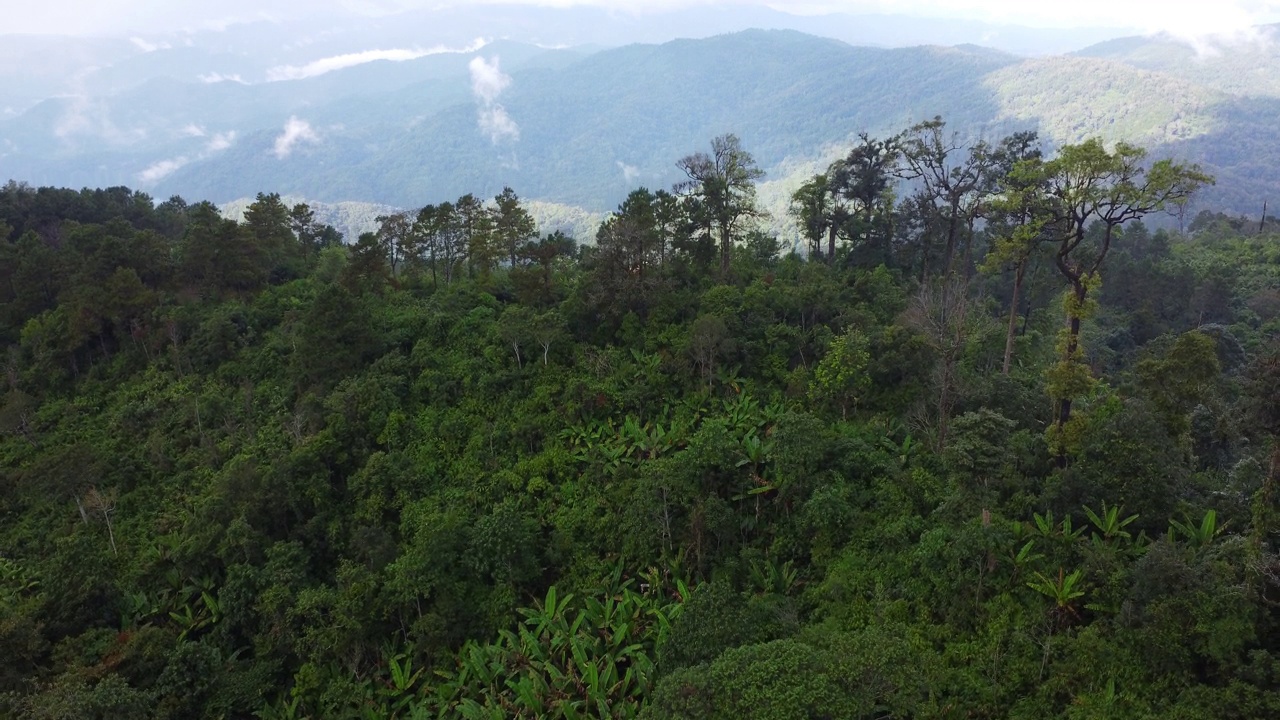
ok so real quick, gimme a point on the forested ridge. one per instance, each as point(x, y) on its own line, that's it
point(989, 447)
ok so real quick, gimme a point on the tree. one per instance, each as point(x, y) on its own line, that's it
point(1262, 410)
point(624, 266)
point(953, 176)
point(1084, 184)
point(945, 315)
point(269, 224)
point(216, 255)
point(395, 234)
point(724, 184)
point(1015, 221)
point(312, 235)
point(512, 224)
point(841, 376)
point(476, 224)
point(442, 234)
point(859, 184)
point(811, 205)
point(1180, 380)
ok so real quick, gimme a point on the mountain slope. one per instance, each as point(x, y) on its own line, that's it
point(590, 132)
point(1248, 66)
point(572, 128)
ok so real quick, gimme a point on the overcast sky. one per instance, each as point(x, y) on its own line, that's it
point(116, 17)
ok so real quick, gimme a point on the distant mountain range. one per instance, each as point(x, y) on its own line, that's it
point(581, 126)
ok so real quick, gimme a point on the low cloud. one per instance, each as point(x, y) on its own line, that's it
point(295, 131)
point(487, 79)
point(487, 83)
point(497, 124)
point(338, 62)
point(630, 173)
point(147, 47)
point(157, 171)
point(85, 116)
point(220, 142)
point(160, 170)
point(215, 77)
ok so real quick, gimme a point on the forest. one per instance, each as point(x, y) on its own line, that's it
point(999, 440)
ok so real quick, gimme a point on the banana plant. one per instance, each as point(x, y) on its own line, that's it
point(565, 659)
point(1199, 536)
point(15, 581)
point(769, 577)
point(282, 710)
point(197, 616)
point(903, 451)
point(1064, 529)
point(743, 413)
point(1064, 590)
point(730, 379)
point(1022, 558)
point(1109, 523)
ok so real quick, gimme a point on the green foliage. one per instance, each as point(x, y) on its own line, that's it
point(252, 472)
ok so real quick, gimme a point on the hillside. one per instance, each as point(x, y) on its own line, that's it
point(252, 472)
point(582, 128)
point(1244, 66)
point(599, 127)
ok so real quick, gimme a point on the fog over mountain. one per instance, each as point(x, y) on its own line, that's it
point(576, 105)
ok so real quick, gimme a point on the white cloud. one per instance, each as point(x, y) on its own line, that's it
point(159, 170)
point(497, 124)
point(487, 80)
point(487, 83)
point(1190, 20)
point(147, 47)
point(215, 77)
point(630, 173)
point(125, 17)
point(295, 131)
point(220, 142)
point(91, 117)
point(338, 62)
point(192, 130)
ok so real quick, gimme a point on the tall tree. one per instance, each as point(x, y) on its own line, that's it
point(724, 183)
point(268, 223)
point(476, 223)
point(952, 175)
point(395, 233)
point(811, 206)
point(1014, 220)
point(512, 224)
point(1086, 184)
point(859, 183)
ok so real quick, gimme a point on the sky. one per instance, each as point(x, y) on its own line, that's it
point(1186, 18)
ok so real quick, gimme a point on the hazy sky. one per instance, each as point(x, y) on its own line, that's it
point(1182, 17)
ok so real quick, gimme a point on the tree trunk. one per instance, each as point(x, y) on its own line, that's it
point(831, 244)
point(1013, 316)
point(726, 246)
point(951, 241)
point(1073, 343)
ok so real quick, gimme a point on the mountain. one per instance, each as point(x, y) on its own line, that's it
point(1244, 66)
point(583, 126)
point(592, 131)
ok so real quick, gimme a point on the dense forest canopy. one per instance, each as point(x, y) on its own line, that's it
point(989, 447)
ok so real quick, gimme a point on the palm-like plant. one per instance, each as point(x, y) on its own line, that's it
point(1064, 590)
point(1199, 536)
point(566, 659)
point(1064, 529)
point(1109, 523)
